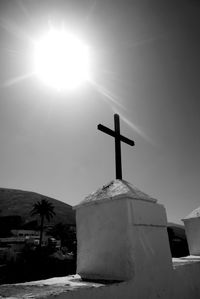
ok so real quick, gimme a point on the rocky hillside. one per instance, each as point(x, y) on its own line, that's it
point(19, 203)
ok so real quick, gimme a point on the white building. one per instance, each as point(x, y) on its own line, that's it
point(192, 229)
point(25, 233)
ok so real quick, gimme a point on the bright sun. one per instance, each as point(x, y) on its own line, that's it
point(61, 60)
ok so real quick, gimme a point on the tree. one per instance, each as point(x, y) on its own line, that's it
point(44, 209)
point(64, 232)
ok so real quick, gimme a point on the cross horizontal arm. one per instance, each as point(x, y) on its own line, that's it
point(106, 130)
point(113, 134)
point(126, 140)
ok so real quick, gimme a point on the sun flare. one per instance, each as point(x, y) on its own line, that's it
point(61, 60)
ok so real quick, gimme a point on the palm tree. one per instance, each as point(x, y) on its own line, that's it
point(44, 209)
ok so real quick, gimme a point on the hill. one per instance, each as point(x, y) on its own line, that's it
point(19, 203)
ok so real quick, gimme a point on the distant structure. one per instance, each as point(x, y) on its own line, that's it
point(192, 229)
point(118, 139)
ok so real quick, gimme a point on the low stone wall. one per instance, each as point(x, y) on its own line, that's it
point(183, 284)
point(186, 277)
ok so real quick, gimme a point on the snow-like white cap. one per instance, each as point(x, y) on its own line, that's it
point(116, 189)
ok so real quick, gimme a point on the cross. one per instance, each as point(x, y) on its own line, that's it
point(118, 139)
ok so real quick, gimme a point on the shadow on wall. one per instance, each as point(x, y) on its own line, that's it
point(177, 240)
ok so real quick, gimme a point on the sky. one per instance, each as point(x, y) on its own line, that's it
point(145, 66)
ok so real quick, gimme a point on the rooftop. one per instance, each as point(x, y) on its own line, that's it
point(115, 190)
point(194, 214)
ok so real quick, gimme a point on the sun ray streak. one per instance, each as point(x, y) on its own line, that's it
point(108, 96)
point(24, 10)
point(137, 129)
point(91, 10)
point(16, 80)
point(15, 29)
point(135, 44)
point(11, 51)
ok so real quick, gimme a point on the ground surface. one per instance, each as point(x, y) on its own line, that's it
point(58, 285)
point(44, 288)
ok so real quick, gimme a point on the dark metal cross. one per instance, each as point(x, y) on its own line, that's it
point(118, 139)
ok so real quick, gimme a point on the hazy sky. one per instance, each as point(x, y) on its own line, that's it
point(146, 66)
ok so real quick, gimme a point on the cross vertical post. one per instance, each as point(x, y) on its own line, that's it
point(118, 138)
point(118, 159)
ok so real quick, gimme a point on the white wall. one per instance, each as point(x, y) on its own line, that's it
point(183, 284)
point(103, 241)
point(192, 229)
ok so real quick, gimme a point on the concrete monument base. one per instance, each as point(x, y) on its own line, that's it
point(121, 232)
